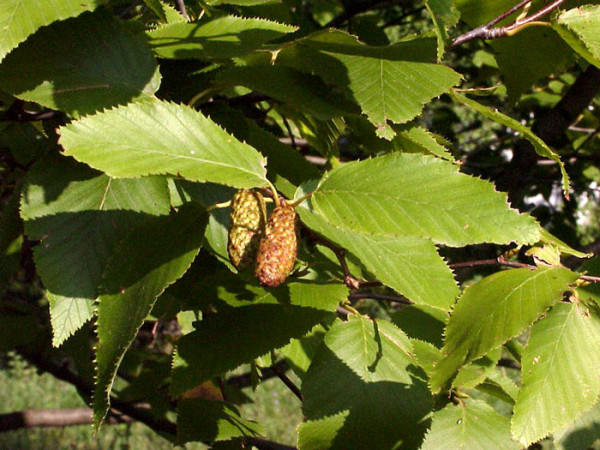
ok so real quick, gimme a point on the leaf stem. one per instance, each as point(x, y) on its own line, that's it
point(275, 194)
point(301, 199)
point(221, 205)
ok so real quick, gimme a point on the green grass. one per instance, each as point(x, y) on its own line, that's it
point(21, 387)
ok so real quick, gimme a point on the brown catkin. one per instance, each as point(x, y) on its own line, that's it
point(247, 223)
point(278, 247)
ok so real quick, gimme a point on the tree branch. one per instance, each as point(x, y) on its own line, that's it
point(502, 262)
point(140, 413)
point(181, 8)
point(488, 31)
point(376, 296)
point(16, 113)
point(289, 383)
point(30, 418)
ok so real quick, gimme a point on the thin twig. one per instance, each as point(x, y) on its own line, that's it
point(376, 296)
point(289, 130)
point(289, 383)
point(245, 380)
point(488, 31)
point(502, 262)
point(181, 8)
point(491, 262)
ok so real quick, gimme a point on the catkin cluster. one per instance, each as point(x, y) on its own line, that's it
point(271, 247)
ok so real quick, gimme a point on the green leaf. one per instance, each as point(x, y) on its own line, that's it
point(162, 138)
point(469, 426)
point(20, 18)
point(412, 139)
point(396, 261)
point(297, 90)
point(550, 239)
point(582, 433)
point(152, 258)
point(81, 65)
point(223, 37)
point(496, 309)
point(476, 372)
point(261, 320)
point(210, 421)
point(81, 216)
point(394, 90)
point(560, 372)
point(499, 385)
point(580, 28)
point(416, 195)
point(363, 390)
point(444, 15)
point(540, 146)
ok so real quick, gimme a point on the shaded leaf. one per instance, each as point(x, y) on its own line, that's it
point(260, 321)
point(162, 138)
point(157, 8)
point(417, 195)
point(523, 58)
point(540, 146)
point(388, 82)
point(81, 65)
point(561, 372)
point(156, 255)
point(222, 37)
point(209, 421)
point(296, 89)
point(300, 352)
point(81, 216)
point(495, 310)
point(469, 426)
point(21, 18)
point(207, 194)
point(286, 167)
point(363, 390)
point(421, 322)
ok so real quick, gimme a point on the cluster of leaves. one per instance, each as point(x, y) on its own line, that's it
point(126, 125)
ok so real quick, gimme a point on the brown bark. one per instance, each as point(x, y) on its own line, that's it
point(30, 418)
